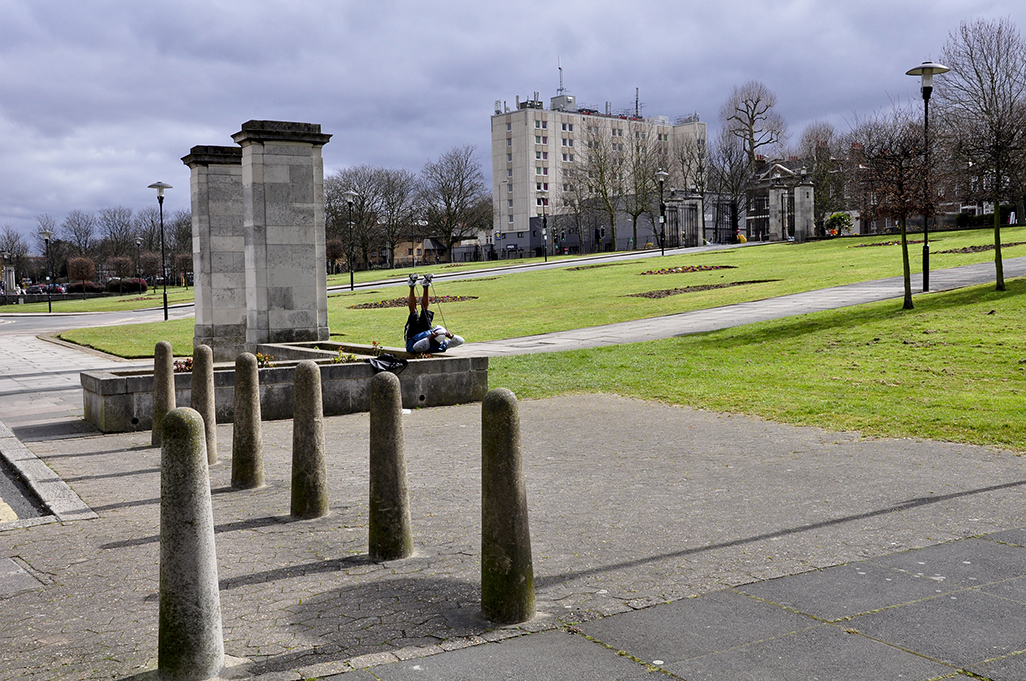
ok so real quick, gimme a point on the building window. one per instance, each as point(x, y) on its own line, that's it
point(564, 141)
point(545, 155)
point(509, 172)
point(520, 235)
point(509, 203)
point(420, 251)
point(509, 158)
point(545, 140)
point(510, 219)
point(409, 251)
point(571, 158)
point(537, 155)
point(509, 126)
point(537, 170)
point(509, 188)
point(545, 170)
point(509, 141)
point(537, 123)
point(545, 186)
point(566, 157)
point(571, 127)
point(537, 186)
point(545, 124)
point(537, 139)
point(569, 143)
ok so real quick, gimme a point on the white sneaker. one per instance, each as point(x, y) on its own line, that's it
point(413, 280)
point(426, 279)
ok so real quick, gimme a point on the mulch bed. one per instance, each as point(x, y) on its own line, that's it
point(981, 249)
point(888, 243)
point(665, 293)
point(402, 302)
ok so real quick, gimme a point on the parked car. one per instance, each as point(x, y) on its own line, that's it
point(41, 288)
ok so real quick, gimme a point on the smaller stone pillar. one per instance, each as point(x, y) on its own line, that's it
point(247, 435)
point(163, 387)
point(189, 639)
point(309, 478)
point(218, 249)
point(202, 396)
point(507, 571)
point(777, 219)
point(804, 213)
point(390, 532)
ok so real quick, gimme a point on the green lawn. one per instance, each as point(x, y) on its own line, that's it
point(954, 368)
point(131, 301)
point(951, 369)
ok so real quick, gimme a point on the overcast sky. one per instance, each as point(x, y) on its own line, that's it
point(100, 99)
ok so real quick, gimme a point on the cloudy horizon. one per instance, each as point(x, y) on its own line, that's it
point(101, 99)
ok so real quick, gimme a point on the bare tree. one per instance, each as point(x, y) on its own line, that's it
point(730, 176)
point(890, 171)
point(179, 240)
point(363, 180)
point(985, 97)
point(603, 173)
point(81, 269)
point(454, 196)
point(121, 266)
point(13, 245)
point(79, 229)
point(820, 150)
point(641, 162)
point(691, 167)
point(398, 192)
point(116, 230)
point(748, 114)
point(147, 228)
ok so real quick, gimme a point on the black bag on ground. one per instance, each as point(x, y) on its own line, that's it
point(387, 362)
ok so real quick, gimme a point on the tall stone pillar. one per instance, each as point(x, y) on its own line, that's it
point(777, 226)
point(804, 211)
point(283, 209)
point(218, 249)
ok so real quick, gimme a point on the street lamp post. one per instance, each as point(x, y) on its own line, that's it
point(138, 255)
point(160, 187)
point(47, 234)
point(926, 71)
point(545, 225)
point(350, 197)
point(661, 176)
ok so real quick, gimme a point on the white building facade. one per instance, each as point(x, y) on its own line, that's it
point(535, 152)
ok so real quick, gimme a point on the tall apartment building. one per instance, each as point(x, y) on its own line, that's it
point(536, 150)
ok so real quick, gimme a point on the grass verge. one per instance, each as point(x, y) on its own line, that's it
point(954, 368)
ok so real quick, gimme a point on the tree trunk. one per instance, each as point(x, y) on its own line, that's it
point(906, 269)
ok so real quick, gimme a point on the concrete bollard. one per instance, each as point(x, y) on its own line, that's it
point(390, 533)
point(507, 572)
point(309, 479)
point(163, 387)
point(190, 643)
point(247, 435)
point(202, 396)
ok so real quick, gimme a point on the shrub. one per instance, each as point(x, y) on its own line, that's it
point(132, 285)
point(88, 286)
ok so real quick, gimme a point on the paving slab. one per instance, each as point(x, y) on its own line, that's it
point(969, 563)
point(548, 656)
point(822, 653)
point(961, 629)
point(844, 591)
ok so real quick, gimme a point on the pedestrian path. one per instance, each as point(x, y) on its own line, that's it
point(714, 319)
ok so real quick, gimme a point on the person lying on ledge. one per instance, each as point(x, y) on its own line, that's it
point(421, 336)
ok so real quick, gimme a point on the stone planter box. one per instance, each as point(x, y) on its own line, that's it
point(122, 401)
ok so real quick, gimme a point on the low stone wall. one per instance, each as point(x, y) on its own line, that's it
point(122, 401)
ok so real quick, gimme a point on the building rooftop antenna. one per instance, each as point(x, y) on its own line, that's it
point(559, 65)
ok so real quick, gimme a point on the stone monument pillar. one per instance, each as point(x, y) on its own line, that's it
point(804, 215)
point(283, 209)
point(218, 249)
point(777, 226)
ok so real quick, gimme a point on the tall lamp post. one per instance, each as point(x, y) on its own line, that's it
point(138, 255)
point(350, 197)
point(545, 225)
point(160, 187)
point(926, 71)
point(47, 234)
point(661, 176)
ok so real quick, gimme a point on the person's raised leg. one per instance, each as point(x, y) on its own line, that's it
point(426, 299)
point(411, 301)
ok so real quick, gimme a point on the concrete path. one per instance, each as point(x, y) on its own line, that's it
point(668, 542)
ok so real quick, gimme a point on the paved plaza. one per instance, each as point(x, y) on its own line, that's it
point(668, 542)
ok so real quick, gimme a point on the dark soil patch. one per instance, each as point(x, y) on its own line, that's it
point(888, 243)
point(402, 302)
point(980, 249)
point(665, 293)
